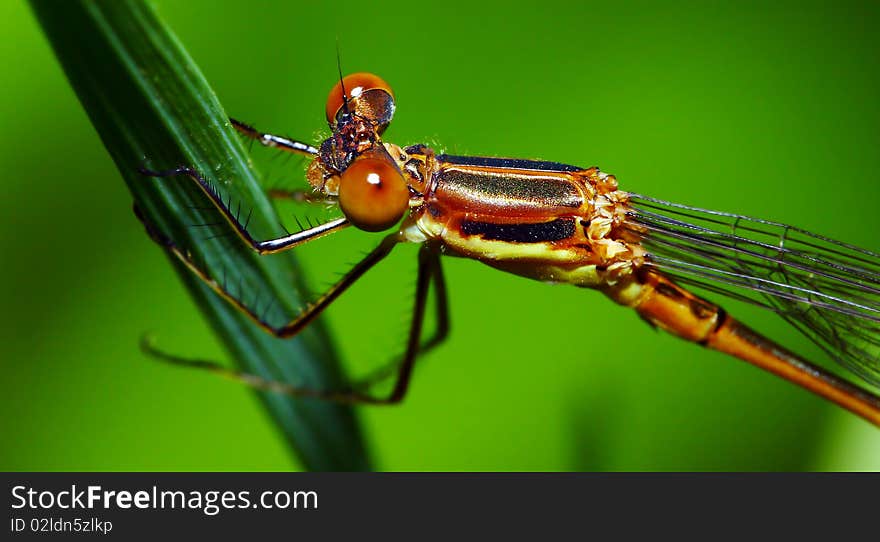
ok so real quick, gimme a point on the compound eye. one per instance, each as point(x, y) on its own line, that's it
point(368, 96)
point(373, 193)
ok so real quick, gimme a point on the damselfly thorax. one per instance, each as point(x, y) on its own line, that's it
point(565, 224)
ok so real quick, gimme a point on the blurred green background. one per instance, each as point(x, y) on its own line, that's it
point(766, 111)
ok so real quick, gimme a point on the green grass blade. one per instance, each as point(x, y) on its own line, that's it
point(150, 104)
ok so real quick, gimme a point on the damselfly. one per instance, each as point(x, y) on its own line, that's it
point(565, 224)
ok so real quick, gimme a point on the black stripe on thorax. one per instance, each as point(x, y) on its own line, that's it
point(543, 232)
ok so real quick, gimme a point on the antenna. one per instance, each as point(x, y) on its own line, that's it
point(341, 83)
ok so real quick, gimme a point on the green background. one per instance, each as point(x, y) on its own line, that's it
point(766, 111)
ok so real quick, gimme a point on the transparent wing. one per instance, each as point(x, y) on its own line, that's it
point(828, 289)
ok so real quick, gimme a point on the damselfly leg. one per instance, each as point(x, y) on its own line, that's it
point(269, 246)
point(274, 141)
point(441, 331)
point(299, 196)
point(287, 145)
point(429, 269)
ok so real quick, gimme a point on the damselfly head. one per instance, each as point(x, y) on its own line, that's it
point(361, 95)
point(353, 164)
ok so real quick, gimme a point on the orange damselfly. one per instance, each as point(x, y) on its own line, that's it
point(565, 224)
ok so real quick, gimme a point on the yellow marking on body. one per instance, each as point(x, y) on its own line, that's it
point(542, 261)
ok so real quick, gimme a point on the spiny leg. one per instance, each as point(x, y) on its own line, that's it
point(251, 380)
point(426, 259)
point(274, 141)
point(300, 196)
point(441, 332)
point(269, 246)
point(287, 145)
point(442, 306)
point(308, 314)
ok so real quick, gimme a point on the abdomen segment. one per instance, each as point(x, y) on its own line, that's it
point(672, 308)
